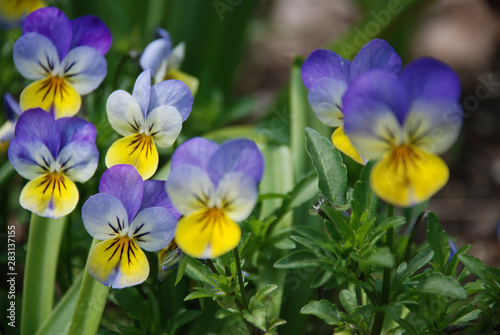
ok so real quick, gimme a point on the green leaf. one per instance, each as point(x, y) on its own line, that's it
point(364, 199)
point(451, 267)
point(262, 294)
point(348, 300)
point(309, 244)
point(181, 269)
point(184, 316)
point(223, 313)
point(406, 270)
point(379, 257)
point(477, 267)
point(332, 172)
point(340, 221)
point(257, 318)
point(439, 284)
point(324, 310)
point(321, 278)
point(199, 294)
point(438, 241)
point(298, 259)
point(466, 314)
point(197, 271)
point(132, 302)
point(393, 221)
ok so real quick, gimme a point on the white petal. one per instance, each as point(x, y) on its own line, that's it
point(84, 68)
point(78, 160)
point(189, 188)
point(104, 216)
point(165, 124)
point(35, 56)
point(124, 113)
point(153, 228)
point(237, 194)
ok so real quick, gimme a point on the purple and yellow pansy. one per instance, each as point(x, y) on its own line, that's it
point(405, 122)
point(65, 58)
point(127, 215)
point(151, 116)
point(213, 187)
point(165, 62)
point(52, 154)
point(327, 76)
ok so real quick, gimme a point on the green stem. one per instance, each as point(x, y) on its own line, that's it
point(59, 320)
point(298, 118)
point(89, 306)
point(44, 241)
point(240, 278)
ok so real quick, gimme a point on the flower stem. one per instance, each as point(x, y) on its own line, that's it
point(44, 241)
point(240, 278)
point(89, 306)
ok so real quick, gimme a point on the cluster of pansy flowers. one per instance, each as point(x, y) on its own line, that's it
point(212, 186)
point(403, 118)
point(51, 148)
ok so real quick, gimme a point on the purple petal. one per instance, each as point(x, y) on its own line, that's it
point(35, 56)
point(324, 63)
point(172, 93)
point(431, 79)
point(142, 91)
point(11, 106)
point(155, 195)
point(103, 215)
point(124, 183)
point(75, 129)
point(154, 54)
point(52, 23)
point(376, 54)
point(196, 151)
point(163, 33)
point(38, 124)
point(236, 156)
point(377, 87)
point(91, 31)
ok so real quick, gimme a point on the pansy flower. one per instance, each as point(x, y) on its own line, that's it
point(327, 76)
point(405, 122)
point(128, 215)
point(13, 11)
point(12, 112)
point(150, 116)
point(52, 154)
point(213, 187)
point(65, 58)
point(164, 63)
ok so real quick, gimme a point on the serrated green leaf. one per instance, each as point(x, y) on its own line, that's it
point(257, 318)
point(466, 314)
point(477, 267)
point(309, 244)
point(197, 271)
point(474, 287)
point(262, 294)
point(364, 199)
point(332, 173)
point(324, 310)
point(409, 269)
point(451, 267)
point(438, 241)
point(439, 284)
point(379, 257)
point(321, 278)
point(298, 259)
point(341, 221)
point(348, 300)
point(199, 295)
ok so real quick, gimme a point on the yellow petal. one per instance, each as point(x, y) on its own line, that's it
point(118, 262)
point(51, 92)
point(191, 81)
point(137, 150)
point(207, 233)
point(408, 176)
point(15, 10)
point(52, 195)
point(344, 144)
